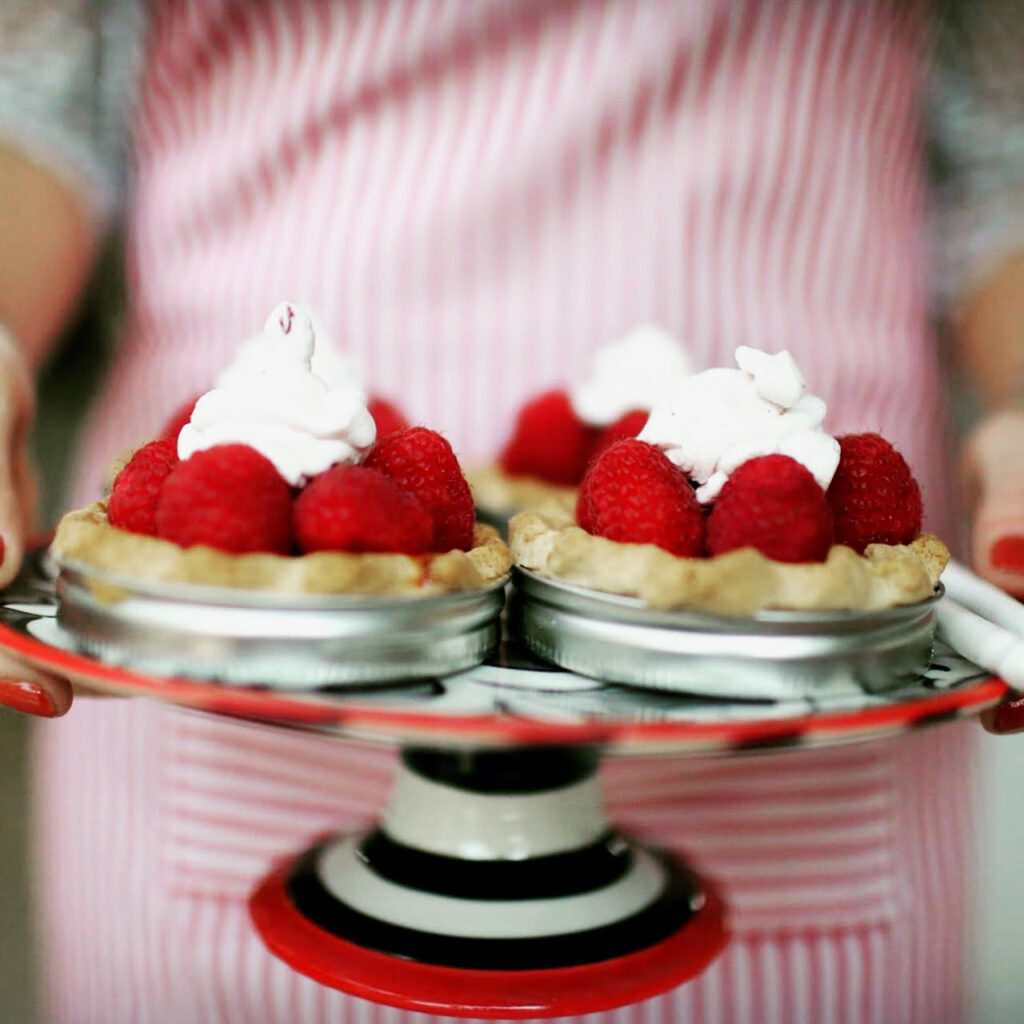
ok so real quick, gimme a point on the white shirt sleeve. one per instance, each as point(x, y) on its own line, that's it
point(978, 118)
point(67, 81)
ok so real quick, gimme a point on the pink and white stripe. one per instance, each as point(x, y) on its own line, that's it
point(474, 195)
point(844, 867)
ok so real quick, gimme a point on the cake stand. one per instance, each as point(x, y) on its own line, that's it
point(495, 886)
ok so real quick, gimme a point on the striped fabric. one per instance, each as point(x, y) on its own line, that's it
point(474, 194)
point(845, 869)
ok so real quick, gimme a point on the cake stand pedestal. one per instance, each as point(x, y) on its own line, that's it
point(501, 888)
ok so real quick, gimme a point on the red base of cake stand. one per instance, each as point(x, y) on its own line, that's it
point(459, 992)
point(494, 888)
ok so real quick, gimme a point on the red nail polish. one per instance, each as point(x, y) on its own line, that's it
point(1008, 553)
point(26, 697)
point(1007, 717)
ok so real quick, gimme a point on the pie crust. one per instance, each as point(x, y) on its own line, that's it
point(87, 537)
point(499, 494)
point(737, 583)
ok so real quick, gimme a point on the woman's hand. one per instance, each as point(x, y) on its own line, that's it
point(50, 241)
point(21, 687)
point(994, 469)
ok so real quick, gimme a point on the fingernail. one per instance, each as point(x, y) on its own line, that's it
point(1004, 718)
point(1008, 553)
point(26, 697)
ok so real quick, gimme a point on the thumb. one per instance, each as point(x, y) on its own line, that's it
point(995, 473)
point(26, 689)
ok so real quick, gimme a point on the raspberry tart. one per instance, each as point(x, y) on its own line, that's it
point(278, 540)
point(733, 500)
point(559, 432)
point(276, 482)
point(281, 538)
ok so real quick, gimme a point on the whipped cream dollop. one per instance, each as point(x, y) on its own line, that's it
point(271, 399)
point(634, 372)
point(714, 421)
point(335, 368)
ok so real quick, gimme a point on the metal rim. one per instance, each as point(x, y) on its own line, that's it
point(203, 595)
point(618, 606)
point(768, 657)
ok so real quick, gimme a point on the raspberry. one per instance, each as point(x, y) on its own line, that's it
point(422, 462)
point(628, 425)
point(549, 441)
point(136, 491)
point(774, 504)
point(632, 493)
point(172, 428)
point(228, 497)
point(354, 508)
point(387, 417)
point(874, 496)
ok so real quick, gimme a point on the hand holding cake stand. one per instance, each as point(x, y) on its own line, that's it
point(494, 886)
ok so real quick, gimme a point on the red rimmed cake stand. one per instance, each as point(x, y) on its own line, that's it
point(495, 886)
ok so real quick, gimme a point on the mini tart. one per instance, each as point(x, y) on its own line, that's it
point(737, 583)
point(499, 494)
point(87, 537)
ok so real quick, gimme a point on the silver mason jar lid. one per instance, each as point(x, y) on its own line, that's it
point(766, 656)
point(259, 638)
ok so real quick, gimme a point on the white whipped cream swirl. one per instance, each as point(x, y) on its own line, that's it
point(271, 400)
point(335, 368)
point(634, 372)
point(714, 421)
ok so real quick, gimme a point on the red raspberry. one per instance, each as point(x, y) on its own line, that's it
point(874, 496)
point(136, 491)
point(172, 428)
point(228, 497)
point(387, 417)
point(549, 441)
point(774, 504)
point(353, 508)
point(628, 425)
point(633, 494)
point(422, 462)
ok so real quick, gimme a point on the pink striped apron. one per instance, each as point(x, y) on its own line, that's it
point(474, 195)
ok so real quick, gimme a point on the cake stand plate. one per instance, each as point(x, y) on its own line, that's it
point(495, 886)
point(514, 699)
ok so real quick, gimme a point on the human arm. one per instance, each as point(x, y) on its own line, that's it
point(66, 78)
point(50, 246)
point(42, 274)
point(990, 339)
point(59, 181)
point(979, 122)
